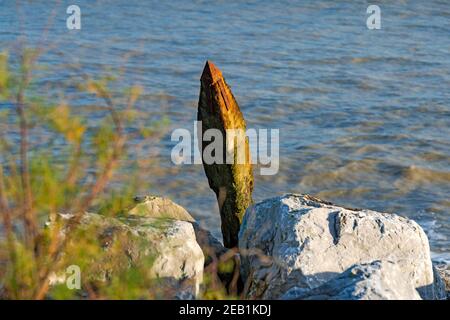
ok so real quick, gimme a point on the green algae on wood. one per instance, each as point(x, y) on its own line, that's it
point(231, 182)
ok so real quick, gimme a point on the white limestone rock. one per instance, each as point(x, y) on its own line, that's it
point(298, 241)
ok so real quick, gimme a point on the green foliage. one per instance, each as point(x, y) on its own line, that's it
point(69, 165)
point(20, 278)
point(62, 121)
point(54, 163)
point(46, 186)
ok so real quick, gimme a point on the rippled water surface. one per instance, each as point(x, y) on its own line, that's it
point(364, 116)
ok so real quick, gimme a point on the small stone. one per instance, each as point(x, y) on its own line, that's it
point(158, 207)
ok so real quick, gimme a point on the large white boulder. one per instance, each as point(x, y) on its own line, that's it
point(298, 241)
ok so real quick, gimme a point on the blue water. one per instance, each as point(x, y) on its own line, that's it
point(364, 115)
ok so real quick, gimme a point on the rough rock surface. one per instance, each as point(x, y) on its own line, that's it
point(443, 270)
point(179, 259)
point(154, 228)
point(300, 241)
point(379, 280)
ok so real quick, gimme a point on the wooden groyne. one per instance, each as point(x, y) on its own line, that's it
point(231, 182)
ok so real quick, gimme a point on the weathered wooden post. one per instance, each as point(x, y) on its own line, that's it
point(231, 182)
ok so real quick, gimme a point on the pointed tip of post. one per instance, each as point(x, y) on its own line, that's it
point(211, 72)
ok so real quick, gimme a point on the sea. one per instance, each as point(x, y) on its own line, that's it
point(363, 114)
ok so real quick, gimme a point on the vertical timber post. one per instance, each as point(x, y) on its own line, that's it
point(231, 182)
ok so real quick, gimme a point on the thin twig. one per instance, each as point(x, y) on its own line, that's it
point(27, 204)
